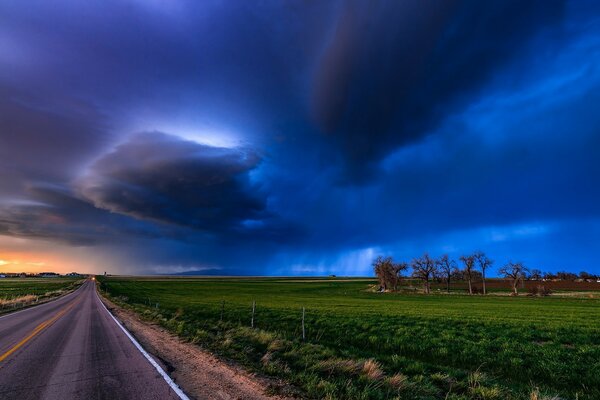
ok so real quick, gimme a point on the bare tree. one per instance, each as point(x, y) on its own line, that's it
point(384, 272)
point(536, 275)
point(514, 272)
point(398, 269)
point(469, 266)
point(446, 266)
point(484, 263)
point(388, 273)
point(425, 269)
point(549, 276)
point(566, 276)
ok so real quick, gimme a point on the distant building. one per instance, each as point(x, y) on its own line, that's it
point(2, 276)
point(73, 274)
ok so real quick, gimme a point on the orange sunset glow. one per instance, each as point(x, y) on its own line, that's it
point(13, 262)
point(21, 255)
point(21, 263)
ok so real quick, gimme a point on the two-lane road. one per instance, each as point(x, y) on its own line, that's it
point(72, 348)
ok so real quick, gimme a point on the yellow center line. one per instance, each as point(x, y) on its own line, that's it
point(37, 330)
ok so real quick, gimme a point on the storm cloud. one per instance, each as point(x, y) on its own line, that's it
point(294, 137)
point(163, 178)
point(52, 213)
point(394, 70)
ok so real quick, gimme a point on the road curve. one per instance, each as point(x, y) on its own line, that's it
point(72, 348)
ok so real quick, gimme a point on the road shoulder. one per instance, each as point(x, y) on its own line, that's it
point(199, 373)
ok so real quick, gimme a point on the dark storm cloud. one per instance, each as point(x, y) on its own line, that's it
point(521, 153)
point(46, 141)
point(466, 181)
point(332, 130)
point(53, 213)
point(394, 70)
point(164, 178)
point(204, 60)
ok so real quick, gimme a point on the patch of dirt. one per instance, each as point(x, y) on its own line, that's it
point(199, 373)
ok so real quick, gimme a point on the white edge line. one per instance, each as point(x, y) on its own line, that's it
point(161, 371)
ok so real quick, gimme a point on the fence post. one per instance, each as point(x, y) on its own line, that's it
point(253, 308)
point(303, 330)
point(222, 308)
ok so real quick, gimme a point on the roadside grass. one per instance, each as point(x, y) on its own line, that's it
point(22, 292)
point(364, 345)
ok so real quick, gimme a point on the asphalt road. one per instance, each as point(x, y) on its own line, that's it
point(72, 348)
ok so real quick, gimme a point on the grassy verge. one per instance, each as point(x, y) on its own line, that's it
point(23, 292)
point(363, 345)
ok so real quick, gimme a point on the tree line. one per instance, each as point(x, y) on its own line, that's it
point(538, 275)
point(472, 268)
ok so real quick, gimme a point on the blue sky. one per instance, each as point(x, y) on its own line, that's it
point(297, 137)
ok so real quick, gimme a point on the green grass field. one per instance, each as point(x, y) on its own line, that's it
point(364, 345)
point(16, 287)
point(19, 292)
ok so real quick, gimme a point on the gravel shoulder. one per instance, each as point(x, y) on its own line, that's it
point(199, 373)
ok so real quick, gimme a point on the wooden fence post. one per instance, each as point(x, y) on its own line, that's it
point(253, 309)
point(222, 308)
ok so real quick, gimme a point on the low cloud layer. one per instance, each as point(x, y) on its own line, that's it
point(53, 213)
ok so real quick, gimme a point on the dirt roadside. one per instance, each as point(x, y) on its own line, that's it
point(199, 373)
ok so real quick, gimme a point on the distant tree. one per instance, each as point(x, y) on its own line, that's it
point(566, 276)
point(457, 275)
point(536, 275)
point(425, 269)
point(549, 276)
point(586, 275)
point(484, 263)
point(446, 267)
point(469, 266)
point(388, 273)
point(514, 272)
point(384, 272)
point(398, 268)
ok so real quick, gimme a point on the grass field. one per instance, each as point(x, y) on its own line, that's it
point(18, 292)
point(364, 345)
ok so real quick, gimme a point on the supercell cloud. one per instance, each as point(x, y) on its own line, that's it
point(163, 178)
point(299, 138)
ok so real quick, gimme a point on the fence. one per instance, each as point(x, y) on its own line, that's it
point(292, 321)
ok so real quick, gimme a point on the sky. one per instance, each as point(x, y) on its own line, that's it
point(297, 138)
